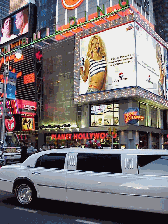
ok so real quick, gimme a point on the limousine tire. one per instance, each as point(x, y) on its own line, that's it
point(25, 193)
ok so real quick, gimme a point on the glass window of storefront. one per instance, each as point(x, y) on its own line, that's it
point(104, 114)
point(153, 117)
point(142, 112)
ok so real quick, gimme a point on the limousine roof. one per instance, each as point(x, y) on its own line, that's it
point(111, 151)
point(108, 151)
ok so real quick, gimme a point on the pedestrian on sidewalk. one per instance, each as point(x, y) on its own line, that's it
point(24, 152)
point(30, 150)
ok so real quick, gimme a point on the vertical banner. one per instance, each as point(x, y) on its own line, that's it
point(11, 86)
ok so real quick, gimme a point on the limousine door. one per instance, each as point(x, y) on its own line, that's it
point(49, 176)
point(80, 185)
point(89, 187)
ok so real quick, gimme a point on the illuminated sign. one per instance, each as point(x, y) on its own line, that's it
point(25, 73)
point(11, 86)
point(17, 28)
point(21, 42)
point(104, 64)
point(28, 124)
point(131, 116)
point(15, 25)
point(29, 78)
point(39, 56)
point(71, 4)
point(101, 135)
point(21, 107)
point(151, 64)
point(10, 124)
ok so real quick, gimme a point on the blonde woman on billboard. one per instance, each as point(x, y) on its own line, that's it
point(161, 68)
point(95, 65)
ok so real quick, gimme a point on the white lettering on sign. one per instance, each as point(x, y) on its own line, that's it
point(29, 107)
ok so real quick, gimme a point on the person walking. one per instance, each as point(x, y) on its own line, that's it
point(23, 152)
point(30, 150)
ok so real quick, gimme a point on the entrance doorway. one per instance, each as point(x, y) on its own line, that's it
point(143, 140)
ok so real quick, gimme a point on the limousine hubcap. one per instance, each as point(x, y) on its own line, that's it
point(24, 194)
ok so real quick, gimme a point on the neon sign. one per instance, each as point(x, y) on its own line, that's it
point(71, 4)
point(29, 78)
point(80, 136)
point(131, 116)
point(10, 124)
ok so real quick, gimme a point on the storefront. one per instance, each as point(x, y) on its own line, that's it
point(21, 120)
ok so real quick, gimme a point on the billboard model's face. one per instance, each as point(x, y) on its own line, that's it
point(7, 27)
point(15, 25)
point(19, 20)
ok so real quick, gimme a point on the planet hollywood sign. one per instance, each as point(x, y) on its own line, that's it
point(89, 135)
point(131, 116)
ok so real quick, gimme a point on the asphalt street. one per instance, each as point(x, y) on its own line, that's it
point(52, 212)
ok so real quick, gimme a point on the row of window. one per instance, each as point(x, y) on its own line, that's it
point(85, 162)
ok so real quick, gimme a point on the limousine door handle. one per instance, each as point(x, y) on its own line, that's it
point(36, 173)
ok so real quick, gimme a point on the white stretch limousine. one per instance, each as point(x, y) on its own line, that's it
point(98, 177)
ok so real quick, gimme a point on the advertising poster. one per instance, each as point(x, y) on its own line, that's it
point(28, 124)
point(16, 4)
point(11, 86)
point(107, 60)
point(14, 25)
point(151, 62)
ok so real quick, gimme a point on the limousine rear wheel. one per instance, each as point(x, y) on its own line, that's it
point(25, 193)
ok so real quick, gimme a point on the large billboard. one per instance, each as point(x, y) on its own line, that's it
point(107, 60)
point(18, 24)
point(120, 57)
point(151, 62)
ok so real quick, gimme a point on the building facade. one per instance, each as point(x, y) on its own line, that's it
point(4, 8)
point(132, 105)
point(160, 14)
point(21, 105)
point(118, 99)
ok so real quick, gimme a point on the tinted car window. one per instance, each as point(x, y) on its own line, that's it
point(52, 160)
point(99, 162)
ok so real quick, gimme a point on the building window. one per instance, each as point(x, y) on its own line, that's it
point(154, 117)
point(52, 160)
point(105, 114)
point(99, 162)
point(142, 112)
